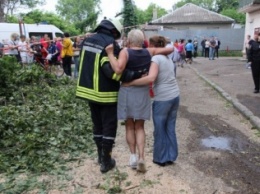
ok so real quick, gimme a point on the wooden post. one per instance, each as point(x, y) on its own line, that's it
point(20, 27)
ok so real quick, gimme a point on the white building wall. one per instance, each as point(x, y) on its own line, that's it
point(252, 22)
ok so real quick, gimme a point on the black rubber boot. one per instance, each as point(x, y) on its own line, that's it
point(98, 142)
point(107, 163)
point(99, 150)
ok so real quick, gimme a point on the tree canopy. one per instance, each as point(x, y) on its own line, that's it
point(83, 13)
point(73, 16)
point(227, 5)
point(238, 17)
point(7, 7)
point(129, 15)
point(132, 15)
point(146, 15)
point(38, 16)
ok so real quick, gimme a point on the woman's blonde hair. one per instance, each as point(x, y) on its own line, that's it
point(14, 35)
point(135, 38)
point(158, 41)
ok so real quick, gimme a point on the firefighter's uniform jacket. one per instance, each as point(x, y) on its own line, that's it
point(97, 82)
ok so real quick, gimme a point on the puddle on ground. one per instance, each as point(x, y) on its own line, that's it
point(222, 143)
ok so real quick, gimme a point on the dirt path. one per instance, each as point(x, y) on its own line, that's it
point(219, 153)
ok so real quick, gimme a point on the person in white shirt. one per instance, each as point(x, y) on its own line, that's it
point(207, 43)
point(23, 48)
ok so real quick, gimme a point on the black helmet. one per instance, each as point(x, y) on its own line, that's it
point(110, 25)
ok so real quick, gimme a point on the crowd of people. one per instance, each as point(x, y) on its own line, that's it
point(184, 52)
point(210, 47)
point(60, 50)
point(66, 50)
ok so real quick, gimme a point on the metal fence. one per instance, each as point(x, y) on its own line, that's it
point(231, 39)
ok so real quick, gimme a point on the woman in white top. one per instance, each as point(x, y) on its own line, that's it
point(23, 48)
point(207, 43)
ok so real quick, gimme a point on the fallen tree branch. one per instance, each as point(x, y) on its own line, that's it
point(131, 187)
point(84, 186)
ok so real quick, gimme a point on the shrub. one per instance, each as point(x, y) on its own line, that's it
point(41, 120)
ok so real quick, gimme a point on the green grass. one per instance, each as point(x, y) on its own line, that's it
point(224, 53)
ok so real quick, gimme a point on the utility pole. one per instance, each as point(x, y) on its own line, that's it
point(2, 14)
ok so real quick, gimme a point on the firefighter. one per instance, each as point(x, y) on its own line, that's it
point(99, 85)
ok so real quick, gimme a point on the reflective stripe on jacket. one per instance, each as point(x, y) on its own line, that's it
point(95, 83)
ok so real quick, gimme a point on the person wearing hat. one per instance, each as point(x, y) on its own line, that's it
point(99, 85)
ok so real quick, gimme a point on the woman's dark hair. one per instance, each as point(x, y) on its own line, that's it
point(66, 34)
point(158, 41)
point(189, 40)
